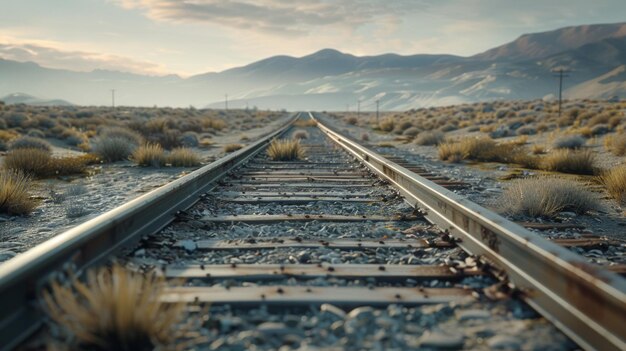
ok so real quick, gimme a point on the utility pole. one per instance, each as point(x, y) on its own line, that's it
point(561, 73)
point(226, 102)
point(358, 109)
point(113, 98)
point(347, 107)
point(377, 104)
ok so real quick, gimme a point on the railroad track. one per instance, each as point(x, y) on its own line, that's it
point(342, 229)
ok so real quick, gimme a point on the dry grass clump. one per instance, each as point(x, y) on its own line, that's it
point(352, 120)
point(30, 143)
point(14, 197)
point(115, 309)
point(183, 157)
point(451, 151)
point(615, 144)
point(232, 147)
point(305, 123)
point(568, 161)
point(537, 149)
point(300, 134)
point(615, 182)
point(40, 163)
point(430, 138)
point(386, 124)
point(116, 144)
point(570, 142)
point(149, 155)
point(546, 197)
point(285, 150)
point(30, 161)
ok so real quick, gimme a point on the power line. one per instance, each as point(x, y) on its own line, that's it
point(561, 73)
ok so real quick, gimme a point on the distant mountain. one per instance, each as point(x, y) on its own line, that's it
point(331, 80)
point(20, 98)
point(540, 45)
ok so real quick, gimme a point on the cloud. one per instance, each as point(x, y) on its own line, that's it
point(51, 55)
point(279, 17)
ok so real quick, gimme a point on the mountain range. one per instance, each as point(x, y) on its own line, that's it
point(595, 55)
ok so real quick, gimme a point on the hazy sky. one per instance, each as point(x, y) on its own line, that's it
point(198, 36)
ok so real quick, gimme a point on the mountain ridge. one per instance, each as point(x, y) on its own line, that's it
point(516, 70)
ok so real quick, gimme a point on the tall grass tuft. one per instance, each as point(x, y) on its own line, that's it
point(28, 142)
point(115, 309)
point(232, 147)
point(149, 155)
point(546, 197)
point(568, 161)
point(615, 182)
point(183, 157)
point(285, 150)
point(14, 197)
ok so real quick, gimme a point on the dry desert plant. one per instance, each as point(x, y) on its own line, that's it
point(232, 147)
point(616, 144)
point(285, 150)
point(14, 197)
point(183, 157)
point(115, 309)
point(29, 143)
point(568, 161)
point(615, 182)
point(305, 123)
point(536, 197)
point(569, 142)
point(149, 155)
point(30, 161)
point(430, 138)
point(300, 134)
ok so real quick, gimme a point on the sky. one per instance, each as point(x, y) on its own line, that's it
point(187, 37)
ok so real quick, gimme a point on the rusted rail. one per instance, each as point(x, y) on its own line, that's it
point(586, 302)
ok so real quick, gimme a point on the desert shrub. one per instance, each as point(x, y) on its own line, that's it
point(613, 121)
point(430, 138)
point(30, 143)
point(365, 137)
point(189, 139)
point(501, 132)
point(537, 149)
point(115, 309)
point(568, 161)
point(15, 119)
point(536, 197)
point(300, 134)
point(401, 126)
point(352, 120)
point(113, 149)
point(7, 135)
point(569, 142)
point(305, 123)
point(386, 124)
point(614, 180)
point(68, 165)
point(526, 130)
point(33, 162)
point(3, 124)
point(122, 133)
point(169, 139)
point(183, 157)
point(600, 129)
point(448, 127)
point(232, 147)
point(213, 123)
point(14, 197)
point(616, 144)
point(411, 132)
point(149, 155)
point(34, 133)
point(285, 150)
point(451, 151)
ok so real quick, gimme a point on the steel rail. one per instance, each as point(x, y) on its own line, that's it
point(586, 302)
point(23, 277)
